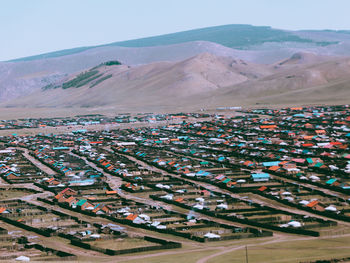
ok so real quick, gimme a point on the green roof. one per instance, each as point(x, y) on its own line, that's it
point(81, 202)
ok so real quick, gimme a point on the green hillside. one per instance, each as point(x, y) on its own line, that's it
point(233, 36)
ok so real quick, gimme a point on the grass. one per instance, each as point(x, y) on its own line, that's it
point(101, 80)
point(285, 252)
point(119, 244)
point(81, 79)
point(290, 252)
point(10, 194)
point(189, 257)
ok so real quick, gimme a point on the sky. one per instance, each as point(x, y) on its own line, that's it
point(31, 27)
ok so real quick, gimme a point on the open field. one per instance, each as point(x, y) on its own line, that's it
point(275, 251)
point(281, 248)
point(8, 193)
point(118, 244)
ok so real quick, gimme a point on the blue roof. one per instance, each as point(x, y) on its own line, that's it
point(60, 148)
point(260, 175)
point(299, 115)
point(276, 163)
point(331, 181)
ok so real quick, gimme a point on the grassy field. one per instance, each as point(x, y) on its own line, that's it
point(10, 194)
point(290, 252)
point(261, 252)
point(119, 244)
point(280, 248)
point(179, 257)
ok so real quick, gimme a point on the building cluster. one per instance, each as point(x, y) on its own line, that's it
point(203, 177)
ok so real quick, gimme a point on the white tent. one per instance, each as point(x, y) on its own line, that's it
point(211, 235)
point(222, 206)
point(331, 208)
point(198, 206)
point(22, 258)
point(304, 202)
point(294, 224)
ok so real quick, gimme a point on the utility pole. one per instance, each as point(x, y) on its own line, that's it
point(246, 254)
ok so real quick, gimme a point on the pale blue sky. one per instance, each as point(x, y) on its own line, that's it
point(30, 27)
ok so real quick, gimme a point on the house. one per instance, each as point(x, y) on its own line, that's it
point(259, 177)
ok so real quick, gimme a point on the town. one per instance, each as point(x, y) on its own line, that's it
point(105, 187)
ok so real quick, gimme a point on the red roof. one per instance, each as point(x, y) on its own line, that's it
point(263, 188)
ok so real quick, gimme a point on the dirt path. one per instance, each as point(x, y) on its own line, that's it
point(280, 239)
point(35, 162)
point(116, 182)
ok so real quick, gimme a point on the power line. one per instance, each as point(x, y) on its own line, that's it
point(246, 254)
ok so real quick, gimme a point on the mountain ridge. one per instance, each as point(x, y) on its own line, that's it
point(200, 81)
point(247, 35)
point(257, 45)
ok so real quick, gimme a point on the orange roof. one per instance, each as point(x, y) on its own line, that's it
point(70, 199)
point(268, 126)
point(111, 192)
point(308, 137)
point(247, 162)
point(308, 144)
point(131, 217)
point(274, 168)
point(65, 190)
point(179, 200)
point(312, 204)
point(2, 209)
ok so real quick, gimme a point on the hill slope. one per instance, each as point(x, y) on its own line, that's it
point(167, 83)
point(262, 45)
point(22, 78)
point(202, 81)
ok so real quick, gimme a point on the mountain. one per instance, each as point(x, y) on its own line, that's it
point(232, 36)
point(326, 81)
point(167, 83)
point(202, 81)
point(254, 44)
point(22, 78)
